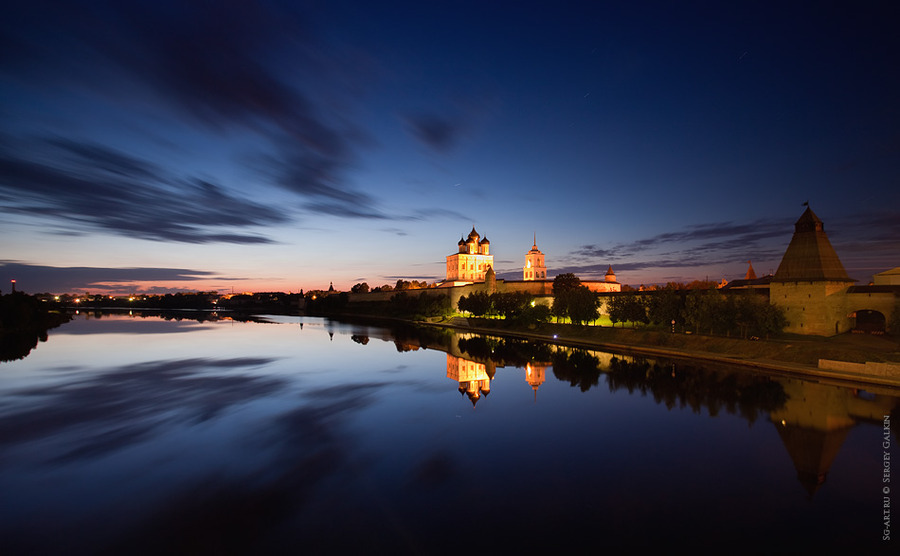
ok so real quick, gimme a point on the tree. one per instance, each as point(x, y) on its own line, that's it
point(628, 308)
point(535, 314)
point(635, 310)
point(583, 305)
point(422, 305)
point(511, 305)
point(563, 286)
point(362, 287)
point(704, 310)
point(565, 283)
point(477, 303)
point(665, 306)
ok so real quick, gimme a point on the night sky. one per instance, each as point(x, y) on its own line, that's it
point(265, 146)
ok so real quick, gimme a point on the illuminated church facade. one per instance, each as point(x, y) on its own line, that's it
point(534, 268)
point(472, 261)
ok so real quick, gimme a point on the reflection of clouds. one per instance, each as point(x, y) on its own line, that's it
point(132, 325)
point(109, 411)
point(307, 444)
point(433, 471)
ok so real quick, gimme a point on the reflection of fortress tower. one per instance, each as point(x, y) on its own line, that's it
point(472, 377)
point(534, 268)
point(814, 423)
point(472, 260)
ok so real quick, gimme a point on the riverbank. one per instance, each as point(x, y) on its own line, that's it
point(24, 322)
point(792, 355)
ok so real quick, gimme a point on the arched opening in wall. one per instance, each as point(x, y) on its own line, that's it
point(869, 321)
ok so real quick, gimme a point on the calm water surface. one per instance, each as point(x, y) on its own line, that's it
point(123, 434)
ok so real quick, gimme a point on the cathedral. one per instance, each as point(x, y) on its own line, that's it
point(472, 261)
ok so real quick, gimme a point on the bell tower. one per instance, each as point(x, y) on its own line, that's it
point(534, 268)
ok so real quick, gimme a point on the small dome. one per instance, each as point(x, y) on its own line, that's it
point(485, 241)
point(462, 241)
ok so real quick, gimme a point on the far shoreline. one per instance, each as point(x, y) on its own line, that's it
point(790, 356)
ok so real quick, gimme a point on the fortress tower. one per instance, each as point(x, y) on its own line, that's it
point(534, 268)
point(472, 260)
point(810, 281)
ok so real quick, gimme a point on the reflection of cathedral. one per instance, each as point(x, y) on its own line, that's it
point(472, 377)
point(472, 260)
point(475, 378)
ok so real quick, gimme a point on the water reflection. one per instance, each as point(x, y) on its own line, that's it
point(812, 419)
point(312, 436)
point(92, 414)
point(18, 344)
point(473, 378)
point(815, 420)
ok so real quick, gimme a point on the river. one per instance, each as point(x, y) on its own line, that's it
point(126, 434)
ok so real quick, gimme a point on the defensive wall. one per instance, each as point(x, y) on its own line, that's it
point(829, 308)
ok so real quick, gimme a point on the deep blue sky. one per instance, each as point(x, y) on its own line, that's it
point(277, 146)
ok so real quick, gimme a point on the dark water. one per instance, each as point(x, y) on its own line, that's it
point(127, 435)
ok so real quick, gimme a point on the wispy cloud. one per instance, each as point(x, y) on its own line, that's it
point(438, 132)
point(259, 71)
point(856, 238)
point(39, 278)
point(91, 186)
point(257, 68)
point(703, 245)
point(700, 239)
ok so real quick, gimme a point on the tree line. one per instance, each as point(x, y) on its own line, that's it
point(401, 285)
point(570, 300)
point(520, 307)
point(403, 304)
point(743, 314)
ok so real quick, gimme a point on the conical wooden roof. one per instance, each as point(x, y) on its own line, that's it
point(810, 256)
